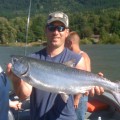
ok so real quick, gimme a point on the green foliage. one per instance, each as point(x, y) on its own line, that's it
point(114, 39)
point(86, 32)
point(19, 23)
point(38, 27)
point(12, 8)
point(87, 17)
point(7, 32)
point(86, 41)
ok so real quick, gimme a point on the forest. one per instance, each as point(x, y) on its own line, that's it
point(96, 21)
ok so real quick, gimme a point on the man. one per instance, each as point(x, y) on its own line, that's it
point(73, 43)
point(5, 103)
point(45, 105)
point(4, 96)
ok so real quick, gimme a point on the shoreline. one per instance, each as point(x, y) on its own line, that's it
point(19, 44)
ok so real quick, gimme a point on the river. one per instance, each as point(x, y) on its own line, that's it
point(104, 58)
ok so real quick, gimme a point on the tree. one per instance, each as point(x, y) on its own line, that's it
point(114, 39)
point(37, 26)
point(7, 32)
point(19, 23)
point(104, 36)
point(86, 32)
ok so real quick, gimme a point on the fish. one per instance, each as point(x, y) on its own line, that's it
point(60, 78)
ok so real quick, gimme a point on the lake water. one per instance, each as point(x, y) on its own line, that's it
point(104, 58)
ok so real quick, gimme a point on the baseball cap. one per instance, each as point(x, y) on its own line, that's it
point(58, 16)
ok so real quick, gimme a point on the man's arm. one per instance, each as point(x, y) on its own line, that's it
point(22, 89)
point(81, 65)
point(87, 61)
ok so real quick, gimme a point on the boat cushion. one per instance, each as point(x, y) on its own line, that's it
point(95, 105)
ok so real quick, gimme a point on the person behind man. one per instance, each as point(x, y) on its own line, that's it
point(46, 105)
point(4, 96)
point(73, 43)
point(5, 102)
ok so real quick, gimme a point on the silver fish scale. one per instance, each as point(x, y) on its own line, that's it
point(55, 77)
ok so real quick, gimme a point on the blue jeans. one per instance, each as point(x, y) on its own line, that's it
point(82, 108)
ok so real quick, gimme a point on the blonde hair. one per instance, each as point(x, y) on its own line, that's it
point(74, 36)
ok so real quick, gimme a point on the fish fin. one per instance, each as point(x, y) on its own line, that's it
point(70, 63)
point(64, 96)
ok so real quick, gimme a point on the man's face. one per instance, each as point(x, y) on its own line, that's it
point(56, 34)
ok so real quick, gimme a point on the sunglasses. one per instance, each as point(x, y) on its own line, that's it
point(52, 28)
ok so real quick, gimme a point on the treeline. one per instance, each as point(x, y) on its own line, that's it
point(105, 24)
point(12, 8)
point(95, 20)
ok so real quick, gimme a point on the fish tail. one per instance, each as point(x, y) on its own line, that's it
point(116, 96)
point(116, 93)
point(118, 86)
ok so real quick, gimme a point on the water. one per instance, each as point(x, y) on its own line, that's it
point(6, 52)
point(104, 58)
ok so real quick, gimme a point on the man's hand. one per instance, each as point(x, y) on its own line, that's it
point(76, 100)
point(15, 105)
point(21, 88)
point(96, 90)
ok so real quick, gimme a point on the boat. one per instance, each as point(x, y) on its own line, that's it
point(103, 107)
point(100, 107)
point(22, 114)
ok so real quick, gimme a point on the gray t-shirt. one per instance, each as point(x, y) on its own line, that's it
point(50, 106)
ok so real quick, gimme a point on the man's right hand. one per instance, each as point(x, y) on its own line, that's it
point(22, 89)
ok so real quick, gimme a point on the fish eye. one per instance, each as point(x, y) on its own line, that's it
point(14, 60)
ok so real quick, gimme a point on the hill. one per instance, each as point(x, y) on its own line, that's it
point(12, 8)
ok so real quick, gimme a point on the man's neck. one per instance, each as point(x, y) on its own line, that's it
point(54, 51)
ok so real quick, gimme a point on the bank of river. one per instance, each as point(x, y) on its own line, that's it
point(20, 44)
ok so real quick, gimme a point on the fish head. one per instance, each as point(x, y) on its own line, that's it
point(20, 66)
